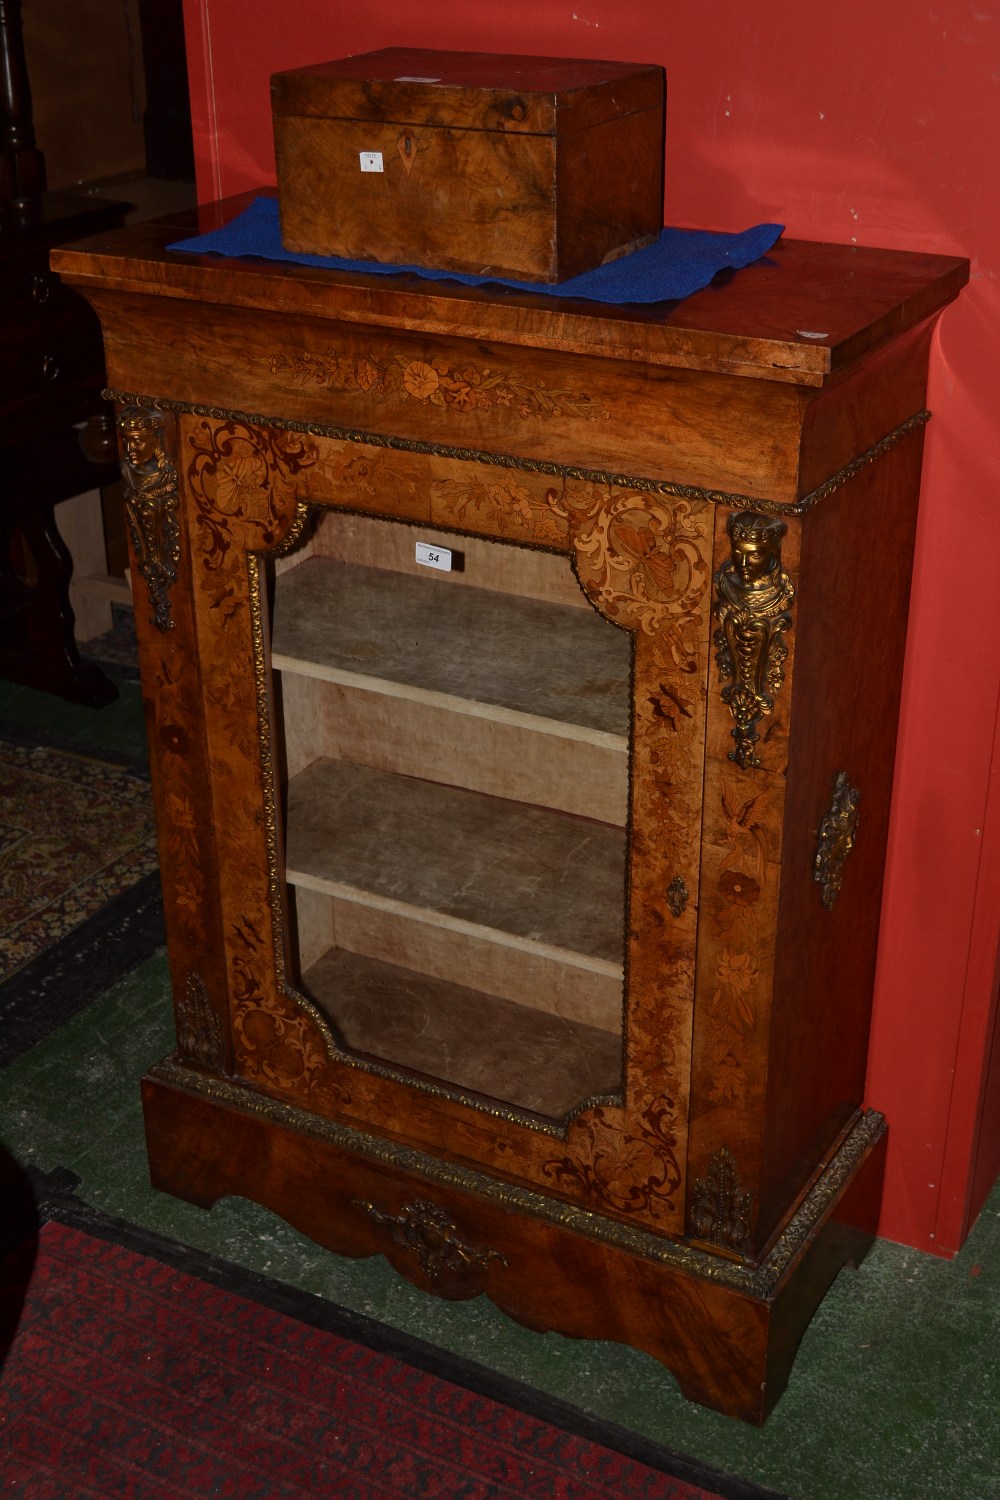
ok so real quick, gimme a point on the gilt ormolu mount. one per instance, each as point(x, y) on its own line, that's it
point(150, 506)
point(837, 833)
point(658, 1082)
point(754, 609)
point(427, 1231)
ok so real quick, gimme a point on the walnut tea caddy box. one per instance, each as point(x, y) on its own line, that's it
point(530, 168)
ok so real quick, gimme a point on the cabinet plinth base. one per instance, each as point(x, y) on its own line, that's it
point(727, 1331)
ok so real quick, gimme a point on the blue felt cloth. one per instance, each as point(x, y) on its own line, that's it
point(681, 262)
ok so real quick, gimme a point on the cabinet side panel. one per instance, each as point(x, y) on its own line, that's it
point(851, 633)
point(857, 410)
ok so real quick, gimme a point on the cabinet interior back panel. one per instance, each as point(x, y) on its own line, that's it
point(575, 988)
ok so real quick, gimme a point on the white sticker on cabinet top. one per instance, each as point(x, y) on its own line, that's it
point(371, 161)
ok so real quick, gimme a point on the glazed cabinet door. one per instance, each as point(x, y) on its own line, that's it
point(454, 789)
point(454, 812)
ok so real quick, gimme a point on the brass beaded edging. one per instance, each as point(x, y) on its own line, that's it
point(544, 466)
point(758, 1280)
point(499, 1111)
point(334, 1051)
point(271, 840)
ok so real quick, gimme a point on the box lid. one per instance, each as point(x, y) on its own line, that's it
point(469, 90)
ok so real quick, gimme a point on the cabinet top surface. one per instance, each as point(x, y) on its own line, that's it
point(801, 313)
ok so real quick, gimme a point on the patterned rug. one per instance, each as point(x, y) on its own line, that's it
point(79, 882)
point(128, 1374)
point(74, 833)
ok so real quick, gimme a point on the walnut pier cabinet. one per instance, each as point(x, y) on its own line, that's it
point(522, 915)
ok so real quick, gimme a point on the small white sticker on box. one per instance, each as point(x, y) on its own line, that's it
point(434, 557)
point(371, 161)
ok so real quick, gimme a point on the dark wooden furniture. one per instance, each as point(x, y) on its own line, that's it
point(166, 124)
point(51, 374)
point(522, 925)
point(56, 441)
point(533, 168)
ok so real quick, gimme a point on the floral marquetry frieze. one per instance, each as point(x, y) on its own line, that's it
point(459, 386)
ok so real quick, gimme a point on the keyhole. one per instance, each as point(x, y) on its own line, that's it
point(407, 148)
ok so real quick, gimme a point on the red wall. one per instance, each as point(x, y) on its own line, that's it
point(853, 121)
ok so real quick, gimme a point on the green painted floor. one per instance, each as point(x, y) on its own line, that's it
point(894, 1395)
point(118, 729)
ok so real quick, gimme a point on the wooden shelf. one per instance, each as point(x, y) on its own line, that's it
point(432, 676)
point(547, 666)
point(480, 865)
point(461, 1037)
point(456, 762)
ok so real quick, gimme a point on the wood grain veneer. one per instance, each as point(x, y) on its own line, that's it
point(534, 168)
point(736, 498)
